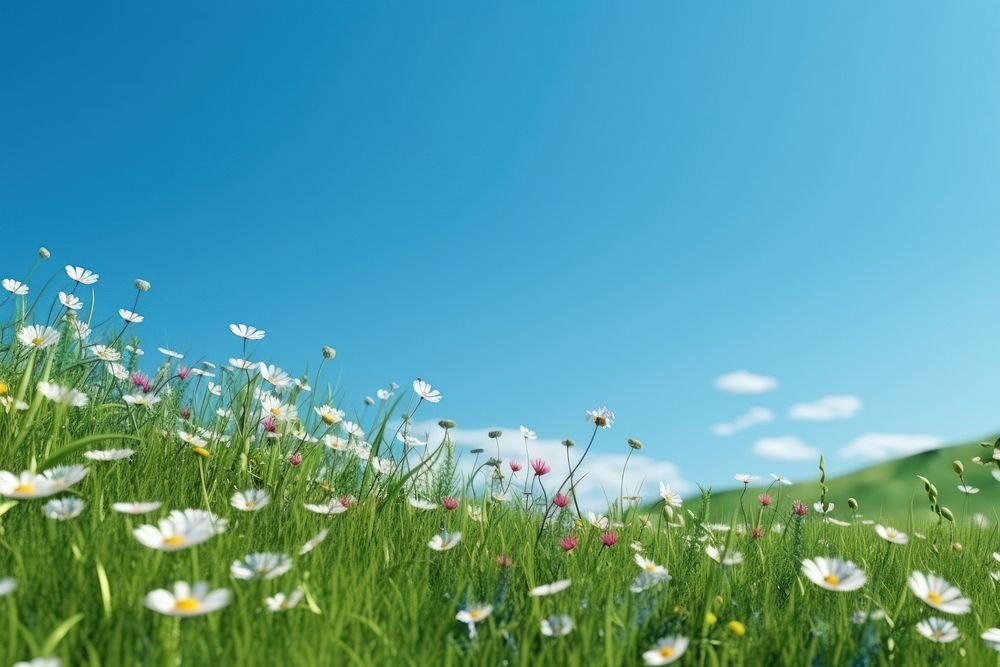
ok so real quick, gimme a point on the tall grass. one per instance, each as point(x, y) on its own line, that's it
point(374, 592)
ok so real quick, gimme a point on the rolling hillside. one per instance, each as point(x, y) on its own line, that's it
point(887, 490)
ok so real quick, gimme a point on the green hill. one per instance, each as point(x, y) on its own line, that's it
point(886, 491)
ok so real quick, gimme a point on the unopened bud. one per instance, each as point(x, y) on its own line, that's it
point(446, 423)
point(495, 434)
point(568, 442)
point(142, 285)
point(957, 466)
point(44, 253)
point(634, 443)
point(946, 513)
point(852, 503)
point(957, 547)
point(329, 352)
point(369, 401)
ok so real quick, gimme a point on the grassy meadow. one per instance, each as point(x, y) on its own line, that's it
point(329, 534)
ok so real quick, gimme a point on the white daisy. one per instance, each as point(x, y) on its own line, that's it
point(527, 433)
point(281, 602)
point(7, 586)
point(70, 301)
point(967, 489)
point(63, 395)
point(474, 613)
point(722, 556)
point(261, 566)
point(670, 497)
point(557, 626)
point(667, 650)
point(250, 500)
point(426, 391)
point(136, 508)
point(329, 414)
point(938, 630)
point(333, 506)
point(63, 477)
point(242, 364)
point(601, 417)
point(834, 574)
point(36, 335)
point(274, 375)
point(108, 454)
point(421, 504)
point(187, 600)
point(314, 542)
point(144, 400)
point(26, 486)
point(784, 481)
point(247, 332)
point(891, 534)
point(550, 589)
point(130, 317)
point(81, 275)
point(444, 541)
point(992, 638)
point(170, 353)
point(62, 509)
point(81, 330)
point(15, 287)
point(180, 530)
point(746, 479)
point(938, 593)
point(383, 394)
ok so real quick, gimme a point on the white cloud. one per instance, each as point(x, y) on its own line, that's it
point(752, 417)
point(745, 382)
point(827, 408)
point(598, 478)
point(785, 448)
point(880, 446)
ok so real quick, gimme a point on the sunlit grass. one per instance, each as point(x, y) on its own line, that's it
point(339, 537)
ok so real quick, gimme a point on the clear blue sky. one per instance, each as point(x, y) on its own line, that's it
point(539, 207)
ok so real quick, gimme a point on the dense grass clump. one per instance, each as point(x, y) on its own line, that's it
point(325, 540)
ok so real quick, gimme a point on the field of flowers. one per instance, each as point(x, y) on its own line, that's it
point(160, 510)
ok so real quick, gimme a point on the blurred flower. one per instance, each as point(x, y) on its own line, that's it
point(247, 332)
point(938, 593)
point(262, 565)
point(834, 574)
point(426, 392)
point(187, 599)
point(938, 630)
point(669, 649)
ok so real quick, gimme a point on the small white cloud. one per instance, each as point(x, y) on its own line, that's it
point(785, 448)
point(752, 417)
point(827, 408)
point(745, 382)
point(599, 478)
point(880, 446)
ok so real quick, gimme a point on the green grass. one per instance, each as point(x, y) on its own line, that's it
point(376, 594)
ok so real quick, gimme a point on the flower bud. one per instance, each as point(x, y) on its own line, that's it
point(852, 503)
point(568, 442)
point(329, 352)
point(946, 513)
point(446, 424)
point(369, 401)
point(957, 466)
point(494, 434)
point(957, 547)
point(635, 443)
point(736, 628)
point(44, 253)
point(142, 285)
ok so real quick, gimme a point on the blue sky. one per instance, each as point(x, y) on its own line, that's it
point(541, 209)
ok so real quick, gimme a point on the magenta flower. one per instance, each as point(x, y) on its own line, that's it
point(568, 543)
point(450, 504)
point(609, 539)
point(515, 466)
point(504, 561)
point(799, 508)
point(141, 380)
point(295, 458)
point(185, 413)
point(269, 424)
point(183, 372)
point(560, 500)
point(764, 499)
point(540, 467)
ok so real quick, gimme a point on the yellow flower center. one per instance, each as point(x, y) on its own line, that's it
point(276, 411)
point(200, 451)
point(25, 488)
point(934, 598)
point(666, 651)
point(832, 579)
point(250, 504)
point(187, 605)
point(174, 540)
point(37, 340)
point(328, 419)
point(475, 614)
point(4, 388)
point(649, 567)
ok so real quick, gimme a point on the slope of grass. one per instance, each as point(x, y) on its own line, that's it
point(886, 491)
